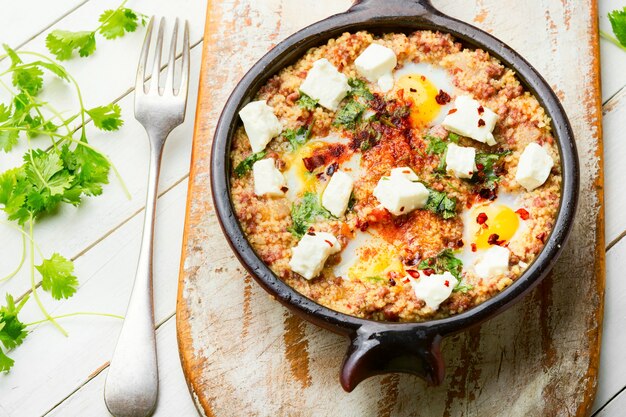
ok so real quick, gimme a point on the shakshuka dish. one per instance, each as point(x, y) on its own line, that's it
point(396, 177)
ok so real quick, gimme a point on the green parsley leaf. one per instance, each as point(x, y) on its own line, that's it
point(115, 23)
point(57, 276)
point(306, 102)
point(618, 24)
point(246, 165)
point(359, 88)
point(436, 146)
point(349, 115)
point(489, 162)
point(304, 213)
point(446, 261)
point(298, 137)
point(440, 203)
point(106, 117)
point(63, 43)
point(12, 330)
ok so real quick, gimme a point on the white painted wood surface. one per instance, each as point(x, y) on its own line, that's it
point(61, 376)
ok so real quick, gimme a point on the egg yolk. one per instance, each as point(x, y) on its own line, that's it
point(501, 221)
point(295, 167)
point(422, 93)
point(376, 262)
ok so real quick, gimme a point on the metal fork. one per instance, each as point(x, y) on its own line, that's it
point(131, 385)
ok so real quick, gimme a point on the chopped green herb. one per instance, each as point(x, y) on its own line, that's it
point(453, 137)
point(446, 261)
point(306, 212)
point(351, 201)
point(376, 279)
point(349, 115)
point(359, 88)
point(298, 137)
point(618, 24)
point(436, 146)
point(246, 165)
point(488, 172)
point(306, 102)
point(440, 203)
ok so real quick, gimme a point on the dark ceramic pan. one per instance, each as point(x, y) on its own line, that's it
point(383, 347)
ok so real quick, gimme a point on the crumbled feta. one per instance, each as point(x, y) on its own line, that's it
point(325, 84)
point(400, 193)
point(376, 63)
point(434, 289)
point(268, 180)
point(469, 118)
point(337, 193)
point(494, 262)
point(260, 123)
point(461, 161)
point(310, 255)
point(533, 167)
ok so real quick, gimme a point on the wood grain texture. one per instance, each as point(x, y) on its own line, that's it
point(241, 349)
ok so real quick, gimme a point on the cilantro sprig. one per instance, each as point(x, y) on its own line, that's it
point(617, 18)
point(113, 24)
point(306, 102)
point(446, 261)
point(246, 165)
point(439, 203)
point(298, 137)
point(349, 115)
point(306, 212)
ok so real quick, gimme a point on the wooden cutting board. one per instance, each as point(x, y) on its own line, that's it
point(244, 355)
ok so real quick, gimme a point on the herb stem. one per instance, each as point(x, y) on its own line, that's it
point(78, 313)
point(19, 266)
point(110, 16)
point(33, 286)
point(612, 39)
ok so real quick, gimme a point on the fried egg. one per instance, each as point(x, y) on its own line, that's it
point(421, 84)
point(489, 223)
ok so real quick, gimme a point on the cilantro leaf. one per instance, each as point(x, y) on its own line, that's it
point(490, 165)
point(349, 115)
point(298, 137)
point(46, 172)
point(63, 43)
point(436, 146)
point(8, 139)
point(440, 203)
point(246, 165)
point(618, 24)
point(28, 79)
point(12, 330)
point(115, 23)
point(90, 170)
point(57, 276)
point(306, 102)
point(106, 117)
point(359, 88)
point(446, 261)
point(306, 212)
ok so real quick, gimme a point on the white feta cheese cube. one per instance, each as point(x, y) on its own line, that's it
point(260, 123)
point(434, 289)
point(310, 255)
point(494, 262)
point(400, 193)
point(268, 180)
point(376, 63)
point(461, 161)
point(337, 193)
point(533, 167)
point(469, 118)
point(325, 84)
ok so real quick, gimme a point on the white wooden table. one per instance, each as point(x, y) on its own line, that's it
point(59, 376)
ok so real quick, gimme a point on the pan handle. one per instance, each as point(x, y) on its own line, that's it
point(376, 349)
point(394, 7)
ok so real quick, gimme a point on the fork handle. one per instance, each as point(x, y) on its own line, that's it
point(132, 382)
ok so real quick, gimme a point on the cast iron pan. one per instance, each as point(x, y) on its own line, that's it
point(383, 347)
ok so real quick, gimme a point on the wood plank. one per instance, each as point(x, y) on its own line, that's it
point(615, 408)
point(544, 350)
point(49, 366)
point(615, 154)
point(174, 398)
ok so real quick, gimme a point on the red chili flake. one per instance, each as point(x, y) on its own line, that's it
point(542, 236)
point(488, 194)
point(523, 213)
point(452, 111)
point(406, 280)
point(412, 272)
point(329, 243)
point(493, 239)
point(363, 226)
point(311, 229)
point(392, 282)
point(423, 78)
point(412, 90)
point(481, 109)
point(480, 167)
point(311, 234)
point(402, 209)
point(442, 98)
point(406, 171)
point(284, 189)
point(473, 247)
point(431, 261)
point(460, 243)
point(481, 122)
point(446, 283)
point(481, 218)
point(349, 305)
point(428, 271)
